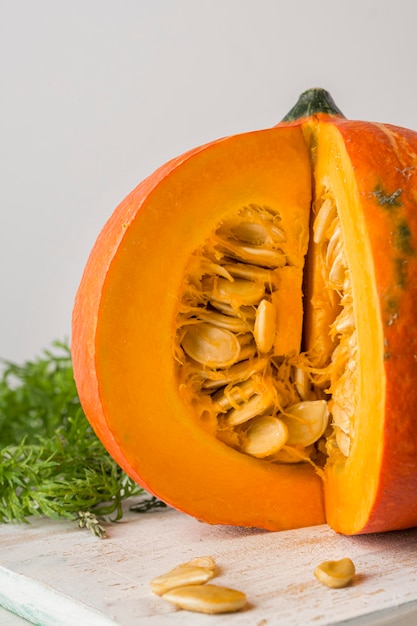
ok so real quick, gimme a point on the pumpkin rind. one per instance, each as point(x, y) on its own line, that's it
point(123, 338)
point(375, 489)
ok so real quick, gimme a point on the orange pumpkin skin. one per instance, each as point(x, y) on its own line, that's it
point(124, 322)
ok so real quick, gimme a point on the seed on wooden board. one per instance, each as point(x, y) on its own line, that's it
point(206, 599)
point(306, 422)
point(212, 346)
point(265, 326)
point(264, 436)
point(202, 561)
point(194, 572)
point(335, 574)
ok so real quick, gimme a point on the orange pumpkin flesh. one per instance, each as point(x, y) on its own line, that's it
point(125, 346)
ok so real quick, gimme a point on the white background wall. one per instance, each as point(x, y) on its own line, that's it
point(95, 94)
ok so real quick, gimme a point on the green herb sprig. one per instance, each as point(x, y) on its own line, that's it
point(51, 462)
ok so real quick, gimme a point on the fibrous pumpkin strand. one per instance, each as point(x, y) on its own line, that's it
point(266, 435)
point(342, 371)
point(265, 405)
point(257, 404)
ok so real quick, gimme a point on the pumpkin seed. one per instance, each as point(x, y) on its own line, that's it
point(234, 396)
point(250, 232)
point(247, 351)
point(236, 293)
point(265, 435)
point(210, 599)
point(306, 422)
point(264, 331)
point(302, 383)
point(323, 221)
point(234, 324)
point(255, 255)
point(194, 572)
point(335, 574)
point(337, 271)
point(202, 561)
point(257, 404)
point(213, 269)
point(212, 346)
point(236, 374)
point(251, 272)
point(244, 312)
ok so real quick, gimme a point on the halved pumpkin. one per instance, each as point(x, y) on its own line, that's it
point(243, 335)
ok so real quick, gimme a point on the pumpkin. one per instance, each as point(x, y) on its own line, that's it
point(244, 339)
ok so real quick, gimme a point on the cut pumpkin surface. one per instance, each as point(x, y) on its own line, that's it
point(244, 338)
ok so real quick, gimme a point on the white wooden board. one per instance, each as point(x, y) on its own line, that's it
point(55, 574)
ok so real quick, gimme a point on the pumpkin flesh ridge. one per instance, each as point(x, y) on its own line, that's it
point(367, 491)
point(347, 502)
point(175, 456)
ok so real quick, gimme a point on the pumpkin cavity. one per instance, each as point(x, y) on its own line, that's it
point(265, 395)
point(331, 316)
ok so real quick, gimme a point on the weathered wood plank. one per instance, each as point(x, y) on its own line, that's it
point(61, 575)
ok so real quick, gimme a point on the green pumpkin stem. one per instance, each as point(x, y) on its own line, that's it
point(313, 101)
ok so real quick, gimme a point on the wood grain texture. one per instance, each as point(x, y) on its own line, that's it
point(55, 574)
